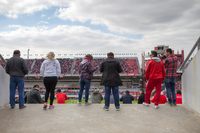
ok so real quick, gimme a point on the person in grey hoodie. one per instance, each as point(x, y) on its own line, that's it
point(17, 69)
point(50, 70)
point(86, 71)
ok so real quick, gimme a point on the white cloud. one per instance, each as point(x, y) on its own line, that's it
point(174, 23)
point(63, 39)
point(170, 22)
point(130, 15)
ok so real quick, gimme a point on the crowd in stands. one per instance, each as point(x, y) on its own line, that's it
point(130, 66)
point(75, 69)
point(29, 63)
point(66, 65)
point(2, 62)
point(36, 66)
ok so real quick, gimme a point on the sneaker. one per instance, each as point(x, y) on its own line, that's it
point(146, 104)
point(12, 107)
point(22, 107)
point(51, 107)
point(106, 108)
point(174, 104)
point(156, 106)
point(171, 104)
point(45, 106)
point(87, 103)
point(118, 109)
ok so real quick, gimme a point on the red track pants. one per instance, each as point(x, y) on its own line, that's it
point(151, 84)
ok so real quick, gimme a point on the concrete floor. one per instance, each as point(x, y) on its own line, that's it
point(93, 119)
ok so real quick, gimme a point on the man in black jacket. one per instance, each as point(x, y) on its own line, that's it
point(17, 69)
point(111, 80)
point(33, 96)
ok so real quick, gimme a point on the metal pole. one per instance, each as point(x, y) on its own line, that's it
point(197, 45)
point(28, 53)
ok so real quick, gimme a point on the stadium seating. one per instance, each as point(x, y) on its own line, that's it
point(36, 66)
point(29, 63)
point(69, 66)
point(66, 66)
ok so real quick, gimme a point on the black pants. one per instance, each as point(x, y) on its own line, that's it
point(50, 85)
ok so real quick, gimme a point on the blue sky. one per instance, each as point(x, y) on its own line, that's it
point(101, 26)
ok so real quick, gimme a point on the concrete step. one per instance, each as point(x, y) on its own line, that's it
point(93, 119)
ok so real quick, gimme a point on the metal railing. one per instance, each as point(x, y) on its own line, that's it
point(185, 63)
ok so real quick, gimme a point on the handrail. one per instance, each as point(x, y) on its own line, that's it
point(197, 45)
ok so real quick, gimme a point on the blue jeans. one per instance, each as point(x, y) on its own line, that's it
point(16, 82)
point(84, 85)
point(115, 92)
point(170, 87)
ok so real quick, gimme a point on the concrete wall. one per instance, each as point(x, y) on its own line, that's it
point(4, 88)
point(191, 84)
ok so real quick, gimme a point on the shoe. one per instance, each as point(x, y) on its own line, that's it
point(146, 104)
point(174, 104)
point(79, 102)
point(87, 103)
point(22, 107)
point(171, 104)
point(106, 108)
point(45, 106)
point(12, 107)
point(156, 106)
point(118, 109)
point(51, 107)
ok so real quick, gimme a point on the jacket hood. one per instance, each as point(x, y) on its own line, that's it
point(156, 59)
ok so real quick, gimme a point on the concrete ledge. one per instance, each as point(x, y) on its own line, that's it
point(4, 88)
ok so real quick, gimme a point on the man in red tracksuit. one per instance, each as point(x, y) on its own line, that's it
point(155, 73)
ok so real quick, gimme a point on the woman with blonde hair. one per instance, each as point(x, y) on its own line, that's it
point(50, 70)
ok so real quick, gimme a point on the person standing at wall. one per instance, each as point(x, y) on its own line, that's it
point(170, 79)
point(110, 70)
point(155, 74)
point(17, 69)
point(86, 73)
point(50, 70)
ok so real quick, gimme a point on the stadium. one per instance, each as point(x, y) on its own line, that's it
point(69, 82)
point(132, 75)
